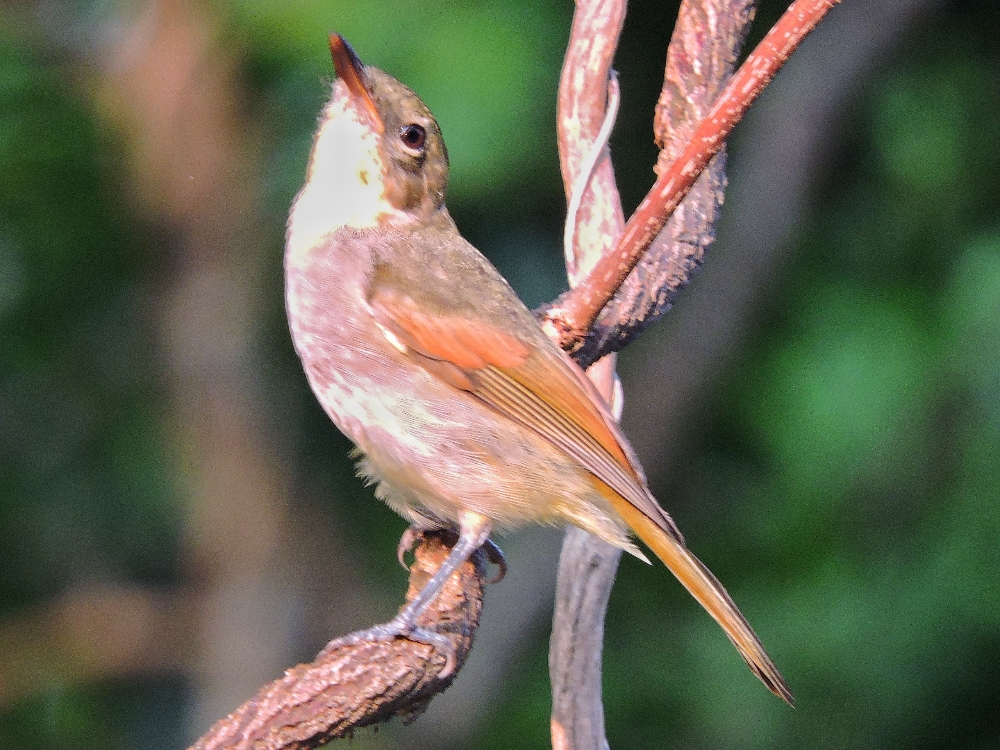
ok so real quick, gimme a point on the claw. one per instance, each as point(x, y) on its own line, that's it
point(495, 555)
point(398, 627)
point(408, 542)
point(443, 645)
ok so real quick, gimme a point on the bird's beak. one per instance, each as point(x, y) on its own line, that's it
point(351, 71)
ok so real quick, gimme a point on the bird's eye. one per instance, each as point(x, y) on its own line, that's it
point(413, 136)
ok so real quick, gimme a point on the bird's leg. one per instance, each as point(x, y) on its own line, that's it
point(474, 533)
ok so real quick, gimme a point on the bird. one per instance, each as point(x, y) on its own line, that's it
point(463, 412)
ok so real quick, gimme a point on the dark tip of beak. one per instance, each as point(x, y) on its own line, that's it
point(351, 71)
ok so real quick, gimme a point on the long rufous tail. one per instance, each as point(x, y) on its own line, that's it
point(668, 545)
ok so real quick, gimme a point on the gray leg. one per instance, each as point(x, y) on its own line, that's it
point(475, 532)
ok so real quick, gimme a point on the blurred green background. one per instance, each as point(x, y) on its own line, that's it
point(821, 412)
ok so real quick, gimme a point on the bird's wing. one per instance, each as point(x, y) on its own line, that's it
point(537, 387)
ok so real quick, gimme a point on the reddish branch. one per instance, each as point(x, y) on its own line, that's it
point(575, 314)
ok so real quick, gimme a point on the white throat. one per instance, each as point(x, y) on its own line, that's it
point(344, 185)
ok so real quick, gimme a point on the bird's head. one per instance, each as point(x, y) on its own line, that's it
point(378, 158)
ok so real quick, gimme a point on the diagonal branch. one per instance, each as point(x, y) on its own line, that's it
point(570, 318)
point(362, 684)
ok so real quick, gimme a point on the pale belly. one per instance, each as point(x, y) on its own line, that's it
point(434, 450)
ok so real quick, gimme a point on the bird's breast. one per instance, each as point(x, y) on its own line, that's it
point(430, 446)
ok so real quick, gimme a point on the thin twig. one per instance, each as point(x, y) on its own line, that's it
point(582, 184)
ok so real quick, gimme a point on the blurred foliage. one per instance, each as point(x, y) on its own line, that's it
point(843, 481)
point(83, 479)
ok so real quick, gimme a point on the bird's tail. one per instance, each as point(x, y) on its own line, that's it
point(668, 545)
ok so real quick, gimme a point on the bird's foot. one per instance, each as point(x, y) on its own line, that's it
point(408, 542)
point(474, 532)
point(401, 626)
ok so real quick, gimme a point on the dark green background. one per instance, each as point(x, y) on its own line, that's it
point(837, 465)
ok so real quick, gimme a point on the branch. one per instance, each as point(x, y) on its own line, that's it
point(597, 24)
point(571, 317)
point(701, 58)
point(361, 684)
point(587, 565)
point(706, 41)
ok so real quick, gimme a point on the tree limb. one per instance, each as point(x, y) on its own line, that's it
point(365, 683)
point(571, 317)
point(701, 58)
point(587, 565)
